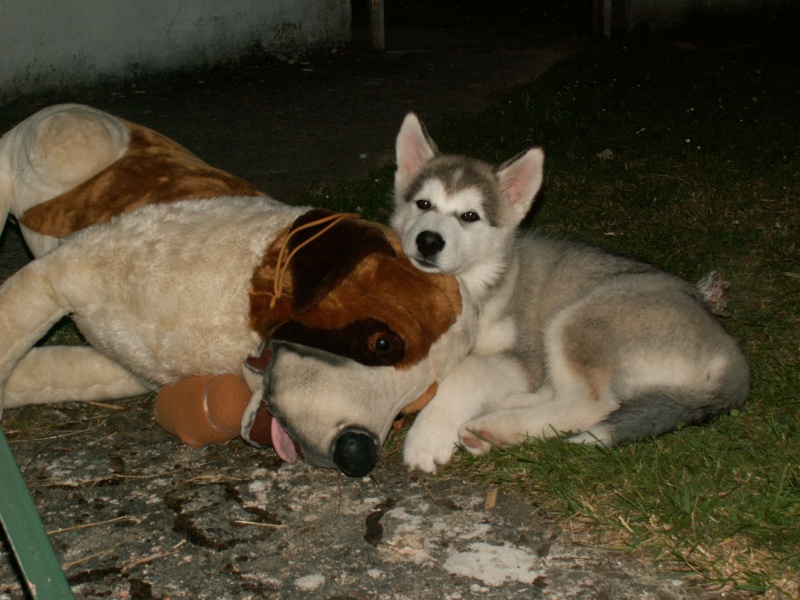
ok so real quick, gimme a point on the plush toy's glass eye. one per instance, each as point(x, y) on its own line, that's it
point(383, 344)
point(470, 217)
point(385, 347)
point(423, 204)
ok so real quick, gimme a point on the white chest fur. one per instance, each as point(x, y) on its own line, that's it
point(497, 331)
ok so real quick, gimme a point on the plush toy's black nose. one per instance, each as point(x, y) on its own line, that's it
point(429, 243)
point(355, 452)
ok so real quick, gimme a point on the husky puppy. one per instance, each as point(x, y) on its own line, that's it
point(570, 338)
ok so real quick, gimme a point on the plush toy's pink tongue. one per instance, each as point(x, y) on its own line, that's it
point(282, 443)
point(265, 430)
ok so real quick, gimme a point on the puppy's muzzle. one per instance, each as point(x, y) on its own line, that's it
point(429, 243)
point(355, 452)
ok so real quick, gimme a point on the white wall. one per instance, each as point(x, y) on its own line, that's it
point(48, 43)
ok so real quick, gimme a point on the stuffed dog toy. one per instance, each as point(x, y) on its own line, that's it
point(177, 273)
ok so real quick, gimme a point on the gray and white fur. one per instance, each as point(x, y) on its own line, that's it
point(570, 338)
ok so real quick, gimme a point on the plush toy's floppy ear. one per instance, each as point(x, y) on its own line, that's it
point(520, 179)
point(414, 148)
point(320, 266)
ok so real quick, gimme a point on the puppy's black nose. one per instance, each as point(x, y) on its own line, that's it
point(355, 452)
point(429, 243)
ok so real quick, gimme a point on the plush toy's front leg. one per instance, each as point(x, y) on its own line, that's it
point(58, 373)
point(29, 306)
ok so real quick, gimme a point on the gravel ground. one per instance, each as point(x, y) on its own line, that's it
point(134, 514)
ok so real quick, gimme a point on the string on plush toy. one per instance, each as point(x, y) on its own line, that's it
point(282, 265)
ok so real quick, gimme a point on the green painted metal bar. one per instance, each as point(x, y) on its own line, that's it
point(25, 532)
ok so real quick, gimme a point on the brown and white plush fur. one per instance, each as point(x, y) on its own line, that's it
point(570, 338)
point(167, 278)
point(116, 277)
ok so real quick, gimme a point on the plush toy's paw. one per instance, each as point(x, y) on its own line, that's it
point(427, 447)
point(203, 410)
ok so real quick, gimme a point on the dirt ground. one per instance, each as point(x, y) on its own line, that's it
point(133, 514)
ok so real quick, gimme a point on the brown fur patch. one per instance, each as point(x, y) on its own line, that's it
point(155, 169)
point(418, 306)
point(320, 267)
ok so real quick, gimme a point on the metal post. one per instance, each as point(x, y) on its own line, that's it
point(26, 535)
point(376, 29)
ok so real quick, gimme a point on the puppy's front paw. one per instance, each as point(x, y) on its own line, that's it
point(425, 449)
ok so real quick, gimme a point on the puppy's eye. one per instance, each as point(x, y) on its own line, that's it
point(470, 217)
point(423, 204)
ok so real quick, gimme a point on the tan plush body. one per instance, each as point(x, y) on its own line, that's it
point(162, 291)
point(152, 267)
point(165, 285)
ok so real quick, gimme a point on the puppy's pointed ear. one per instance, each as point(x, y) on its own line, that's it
point(520, 180)
point(414, 148)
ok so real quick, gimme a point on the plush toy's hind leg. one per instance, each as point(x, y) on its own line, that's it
point(58, 373)
point(52, 152)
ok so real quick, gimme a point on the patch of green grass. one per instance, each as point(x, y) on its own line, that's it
point(369, 197)
point(63, 333)
point(701, 172)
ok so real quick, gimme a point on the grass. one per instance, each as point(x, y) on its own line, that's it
point(687, 157)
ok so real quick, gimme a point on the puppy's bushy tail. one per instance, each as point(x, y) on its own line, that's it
point(660, 410)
